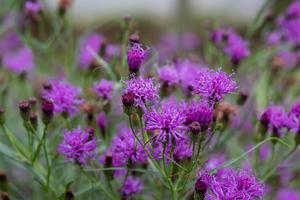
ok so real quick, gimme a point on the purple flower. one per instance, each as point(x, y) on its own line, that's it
point(78, 145)
point(183, 149)
point(286, 193)
point(231, 185)
point(203, 181)
point(169, 75)
point(199, 111)
point(293, 10)
point(104, 89)
point(168, 121)
point(276, 119)
point(234, 46)
point(92, 43)
point(124, 150)
point(215, 161)
point(135, 57)
point(9, 42)
point(188, 72)
point(101, 121)
point(32, 7)
point(112, 51)
point(274, 38)
point(19, 61)
point(214, 85)
point(132, 185)
point(142, 89)
point(64, 96)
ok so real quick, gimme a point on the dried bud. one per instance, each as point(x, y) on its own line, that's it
point(195, 127)
point(47, 111)
point(2, 116)
point(69, 195)
point(24, 107)
point(225, 112)
point(242, 98)
point(4, 196)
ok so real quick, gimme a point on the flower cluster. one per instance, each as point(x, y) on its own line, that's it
point(78, 145)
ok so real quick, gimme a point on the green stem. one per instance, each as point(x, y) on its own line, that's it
point(271, 170)
point(37, 152)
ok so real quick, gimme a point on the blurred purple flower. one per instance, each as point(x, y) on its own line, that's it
point(102, 121)
point(285, 193)
point(78, 145)
point(287, 59)
point(203, 181)
point(168, 74)
point(104, 89)
point(132, 186)
point(274, 38)
point(9, 41)
point(214, 85)
point(32, 7)
point(112, 51)
point(125, 151)
point(65, 97)
point(19, 61)
point(215, 161)
point(92, 43)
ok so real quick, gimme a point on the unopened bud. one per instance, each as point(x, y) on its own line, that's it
point(195, 127)
point(47, 111)
point(24, 108)
point(2, 116)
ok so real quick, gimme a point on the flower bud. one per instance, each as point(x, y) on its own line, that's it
point(3, 181)
point(135, 57)
point(108, 164)
point(195, 127)
point(47, 111)
point(34, 120)
point(4, 196)
point(69, 195)
point(24, 107)
point(32, 102)
point(2, 116)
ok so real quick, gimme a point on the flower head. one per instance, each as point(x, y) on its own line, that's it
point(168, 121)
point(125, 151)
point(78, 145)
point(91, 44)
point(135, 56)
point(104, 89)
point(199, 111)
point(132, 185)
point(143, 91)
point(169, 75)
point(19, 61)
point(286, 193)
point(214, 85)
point(65, 97)
point(203, 181)
point(231, 184)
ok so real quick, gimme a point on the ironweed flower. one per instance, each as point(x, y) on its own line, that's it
point(65, 97)
point(78, 145)
point(143, 90)
point(168, 121)
point(132, 186)
point(135, 56)
point(168, 75)
point(214, 85)
point(233, 184)
point(104, 89)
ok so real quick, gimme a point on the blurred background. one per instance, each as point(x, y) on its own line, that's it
point(84, 12)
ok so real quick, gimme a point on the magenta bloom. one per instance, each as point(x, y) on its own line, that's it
point(234, 46)
point(230, 184)
point(274, 38)
point(203, 181)
point(214, 85)
point(19, 61)
point(169, 121)
point(135, 56)
point(33, 7)
point(143, 91)
point(169, 75)
point(78, 145)
point(65, 97)
point(276, 119)
point(285, 194)
point(124, 150)
point(92, 43)
point(132, 186)
point(199, 111)
point(104, 89)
